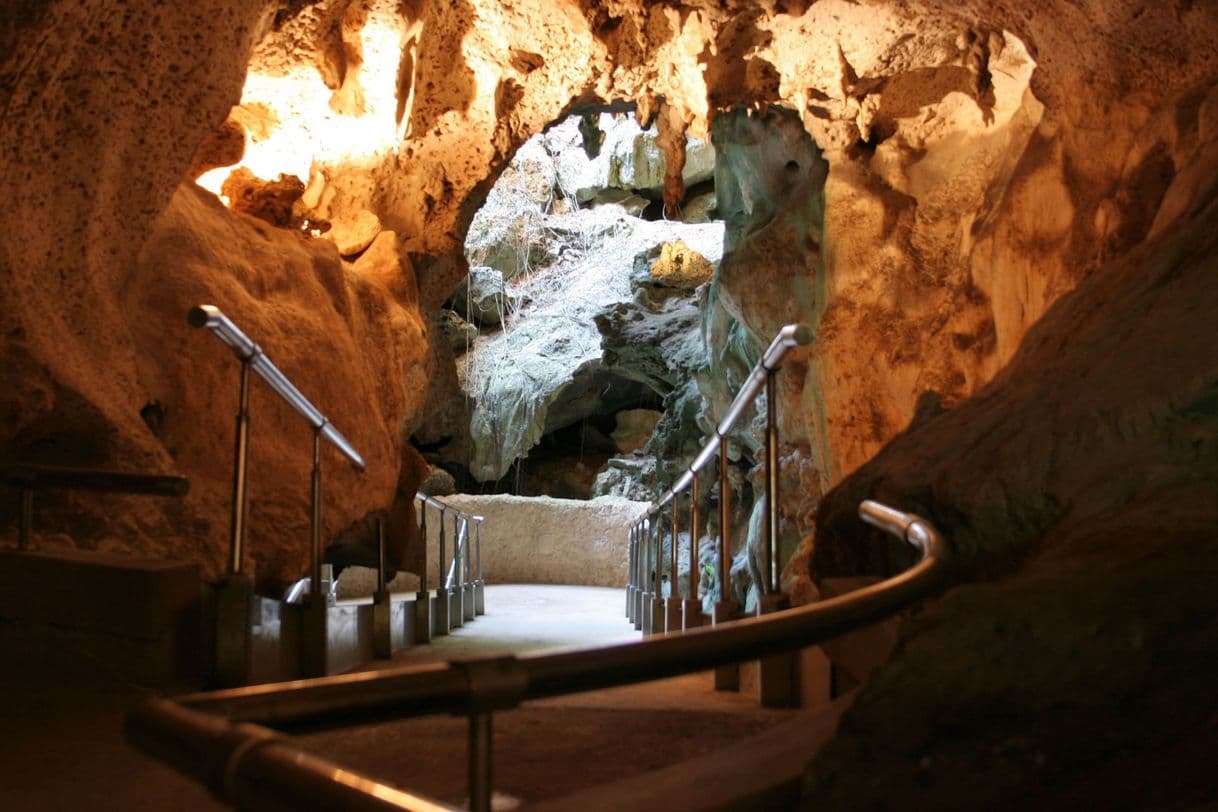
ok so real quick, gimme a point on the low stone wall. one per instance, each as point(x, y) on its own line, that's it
point(540, 540)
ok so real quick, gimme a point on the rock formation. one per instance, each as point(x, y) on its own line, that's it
point(990, 167)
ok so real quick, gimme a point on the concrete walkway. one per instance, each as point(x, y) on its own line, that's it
point(63, 747)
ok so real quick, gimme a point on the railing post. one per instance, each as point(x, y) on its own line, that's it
point(382, 607)
point(442, 619)
point(467, 588)
point(240, 460)
point(727, 678)
point(640, 574)
point(234, 599)
point(778, 675)
point(313, 632)
point(691, 608)
point(422, 598)
point(480, 583)
point(631, 569)
point(456, 612)
point(772, 539)
point(481, 755)
point(672, 607)
point(657, 595)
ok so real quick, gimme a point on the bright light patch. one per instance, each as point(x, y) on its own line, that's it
point(307, 129)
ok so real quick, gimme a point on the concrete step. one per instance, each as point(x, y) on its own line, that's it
point(68, 611)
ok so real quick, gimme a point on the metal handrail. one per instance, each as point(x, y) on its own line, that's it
point(789, 337)
point(250, 353)
point(187, 735)
point(645, 605)
point(29, 477)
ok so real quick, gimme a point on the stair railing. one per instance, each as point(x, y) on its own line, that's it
point(460, 593)
point(645, 604)
point(222, 738)
point(26, 478)
point(235, 592)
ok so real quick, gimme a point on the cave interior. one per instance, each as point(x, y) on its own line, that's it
point(534, 248)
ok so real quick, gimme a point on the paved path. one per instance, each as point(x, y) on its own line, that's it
point(63, 745)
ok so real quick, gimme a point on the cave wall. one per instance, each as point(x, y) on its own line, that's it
point(1075, 669)
point(104, 250)
point(959, 208)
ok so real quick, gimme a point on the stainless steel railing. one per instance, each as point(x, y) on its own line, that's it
point(460, 593)
point(222, 740)
point(26, 478)
point(252, 357)
point(645, 605)
point(235, 592)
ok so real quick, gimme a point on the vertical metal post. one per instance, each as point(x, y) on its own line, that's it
point(629, 571)
point(725, 526)
point(314, 633)
point(380, 554)
point(456, 612)
point(234, 598)
point(656, 616)
point(673, 590)
point(772, 540)
point(480, 761)
point(26, 526)
point(421, 618)
point(423, 534)
point(382, 605)
point(480, 583)
point(727, 678)
point(315, 522)
point(672, 607)
point(691, 610)
point(442, 620)
point(659, 554)
point(468, 597)
point(240, 459)
point(640, 574)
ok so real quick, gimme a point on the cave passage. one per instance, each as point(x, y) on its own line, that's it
point(578, 320)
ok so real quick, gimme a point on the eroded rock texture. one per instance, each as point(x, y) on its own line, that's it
point(1109, 522)
point(985, 160)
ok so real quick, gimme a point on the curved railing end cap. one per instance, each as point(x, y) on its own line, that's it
point(803, 334)
point(198, 315)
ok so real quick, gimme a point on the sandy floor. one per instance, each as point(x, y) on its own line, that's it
point(63, 747)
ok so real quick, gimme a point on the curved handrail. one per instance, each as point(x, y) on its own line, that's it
point(171, 730)
point(250, 353)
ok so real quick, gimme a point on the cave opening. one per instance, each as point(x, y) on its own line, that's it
point(577, 283)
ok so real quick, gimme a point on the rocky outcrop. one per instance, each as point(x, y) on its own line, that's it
point(1084, 472)
point(569, 353)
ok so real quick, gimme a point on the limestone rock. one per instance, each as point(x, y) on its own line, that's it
point(634, 428)
point(629, 159)
point(354, 234)
point(481, 297)
point(458, 333)
point(628, 477)
point(701, 208)
point(679, 266)
point(1105, 579)
point(269, 200)
point(223, 147)
point(438, 483)
point(549, 369)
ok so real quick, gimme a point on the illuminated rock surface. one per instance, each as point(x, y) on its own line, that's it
point(984, 161)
